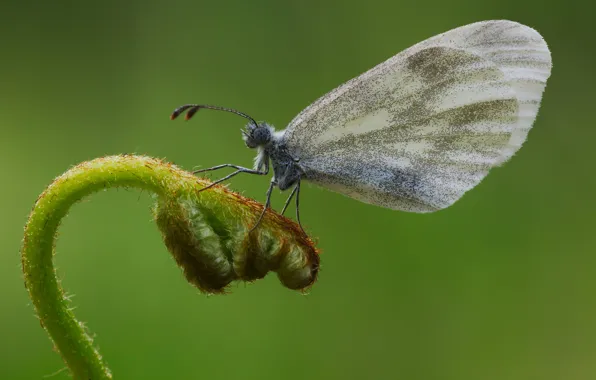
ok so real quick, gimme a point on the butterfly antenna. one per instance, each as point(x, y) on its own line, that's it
point(194, 108)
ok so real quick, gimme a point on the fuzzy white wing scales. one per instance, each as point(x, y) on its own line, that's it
point(419, 130)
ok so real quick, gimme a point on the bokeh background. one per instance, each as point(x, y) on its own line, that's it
point(499, 286)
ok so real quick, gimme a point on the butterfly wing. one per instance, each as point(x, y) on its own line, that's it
point(419, 130)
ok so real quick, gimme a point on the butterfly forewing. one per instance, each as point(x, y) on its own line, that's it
point(419, 130)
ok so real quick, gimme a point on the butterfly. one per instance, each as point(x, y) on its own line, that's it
point(415, 132)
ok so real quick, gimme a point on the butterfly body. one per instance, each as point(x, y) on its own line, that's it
point(419, 130)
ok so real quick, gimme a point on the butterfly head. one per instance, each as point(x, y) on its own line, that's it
point(257, 135)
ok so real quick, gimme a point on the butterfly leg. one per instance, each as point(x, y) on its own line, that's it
point(289, 199)
point(295, 191)
point(239, 170)
point(267, 204)
point(297, 188)
point(220, 180)
point(221, 167)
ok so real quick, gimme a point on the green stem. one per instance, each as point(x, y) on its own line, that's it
point(207, 234)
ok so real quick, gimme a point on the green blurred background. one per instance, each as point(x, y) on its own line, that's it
point(499, 286)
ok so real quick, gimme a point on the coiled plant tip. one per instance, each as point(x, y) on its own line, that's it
point(208, 233)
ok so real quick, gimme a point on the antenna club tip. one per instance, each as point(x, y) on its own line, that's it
point(173, 116)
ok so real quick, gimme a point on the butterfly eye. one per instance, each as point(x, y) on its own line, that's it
point(261, 135)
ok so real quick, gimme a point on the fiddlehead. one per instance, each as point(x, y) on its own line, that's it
point(206, 232)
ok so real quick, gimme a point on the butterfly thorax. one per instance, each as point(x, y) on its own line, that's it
point(272, 149)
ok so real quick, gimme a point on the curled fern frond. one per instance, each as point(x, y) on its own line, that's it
point(208, 234)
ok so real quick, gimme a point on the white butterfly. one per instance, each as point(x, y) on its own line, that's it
point(417, 131)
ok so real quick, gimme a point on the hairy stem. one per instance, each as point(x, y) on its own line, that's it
point(207, 234)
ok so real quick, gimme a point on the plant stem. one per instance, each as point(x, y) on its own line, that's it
point(172, 186)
